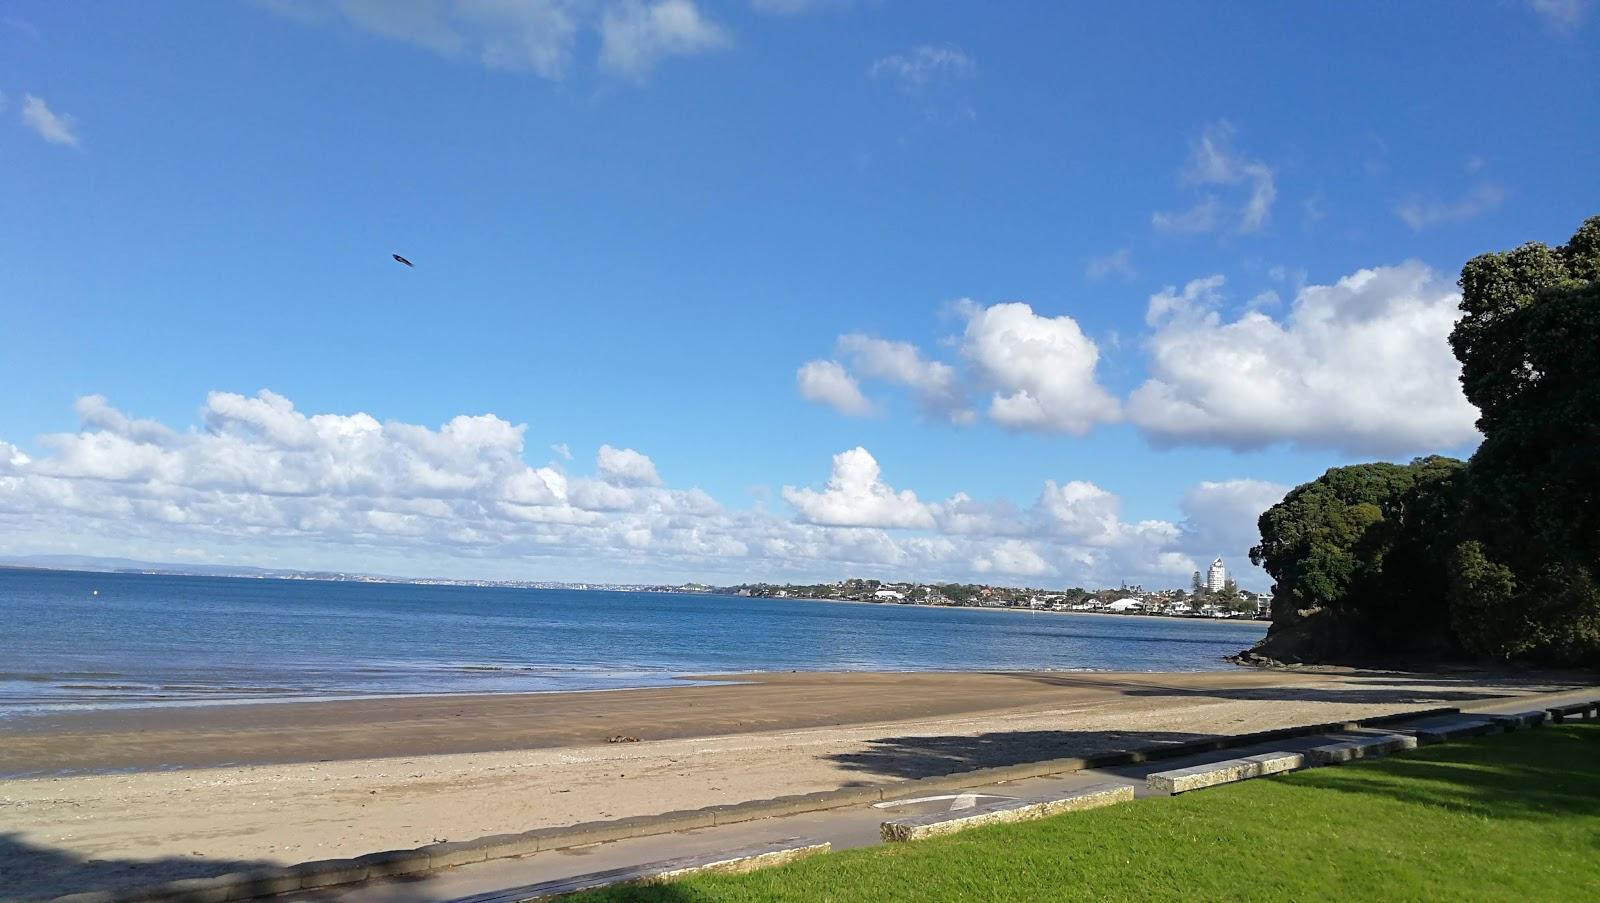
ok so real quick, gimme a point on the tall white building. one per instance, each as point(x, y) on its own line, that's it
point(1216, 576)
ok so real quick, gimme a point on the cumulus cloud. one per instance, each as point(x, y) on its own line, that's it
point(626, 467)
point(635, 36)
point(827, 382)
point(256, 480)
point(913, 72)
point(1041, 369)
point(1360, 366)
point(56, 128)
point(1013, 556)
point(1420, 213)
point(1040, 372)
point(935, 383)
point(1213, 164)
point(1081, 511)
point(524, 35)
point(857, 496)
point(1220, 516)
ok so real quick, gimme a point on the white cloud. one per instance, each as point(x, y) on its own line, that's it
point(635, 35)
point(1420, 213)
point(626, 467)
point(1040, 372)
point(1220, 516)
point(257, 481)
point(827, 382)
point(936, 384)
point(796, 7)
point(1561, 15)
point(524, 35)
point(923, 66)
point(56, 128)
point(1081, 511)
point(1117, 263)
point(856, 496)
point(1214, 163)
point(1361, 366)
point(1041, 369)
point(1013, 556)
point(1205, 216)
point(562, 451)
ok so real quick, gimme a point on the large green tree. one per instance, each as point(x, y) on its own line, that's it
point(1499, 558)
point(1529, 343)
point(1359, 572)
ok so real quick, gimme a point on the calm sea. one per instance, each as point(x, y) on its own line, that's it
point(71, 640)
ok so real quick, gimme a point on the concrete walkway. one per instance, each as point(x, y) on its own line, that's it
point(844, 828)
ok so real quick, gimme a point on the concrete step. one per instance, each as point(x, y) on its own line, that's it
point(1364, 748)
point(1521, 720)
point(1243, 768)
point(920, 827)
point(1444, 731)
point(745, 859)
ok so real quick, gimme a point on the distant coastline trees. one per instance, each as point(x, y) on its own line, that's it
point(1494, 558)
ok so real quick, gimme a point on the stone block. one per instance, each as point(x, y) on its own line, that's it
point(1365, 748)
point(1195, 777)
point(920, 827)
point(1455, 730)
point(1521, 720)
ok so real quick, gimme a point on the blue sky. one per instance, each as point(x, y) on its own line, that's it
point(646, 227)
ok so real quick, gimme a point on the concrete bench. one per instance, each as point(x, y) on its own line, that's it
point(920, 827)
point(1572, 711)
point(746, 859)
point(1365, 748)
point(1193, 778)
point(1442, 732)
point(1519, 720)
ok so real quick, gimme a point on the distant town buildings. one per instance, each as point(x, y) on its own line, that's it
point(1129, 599)
point(1216, 576)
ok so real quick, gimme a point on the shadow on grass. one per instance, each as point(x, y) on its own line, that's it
point(921, 757)
point(644, 893)
point(1551, 772)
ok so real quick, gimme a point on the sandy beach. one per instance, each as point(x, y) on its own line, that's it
point(183, 791)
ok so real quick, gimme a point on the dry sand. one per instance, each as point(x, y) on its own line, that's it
point(339, 779)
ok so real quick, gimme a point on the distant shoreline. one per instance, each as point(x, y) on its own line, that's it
point(1014, 608)
point(294, 576)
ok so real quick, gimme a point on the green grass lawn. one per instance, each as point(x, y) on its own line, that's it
point(1508, 817)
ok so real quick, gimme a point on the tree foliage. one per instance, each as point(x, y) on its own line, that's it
point(1500, 557)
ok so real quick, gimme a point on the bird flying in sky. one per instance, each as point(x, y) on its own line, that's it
point(400, 259)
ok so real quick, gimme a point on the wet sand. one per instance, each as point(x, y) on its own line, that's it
point(344, 778)
point(276, 733)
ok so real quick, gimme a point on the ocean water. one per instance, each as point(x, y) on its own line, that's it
point(71, 640)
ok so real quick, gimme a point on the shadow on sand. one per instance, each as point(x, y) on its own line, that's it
point(921, 757)
point(30, 872)
point(1365, 689)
